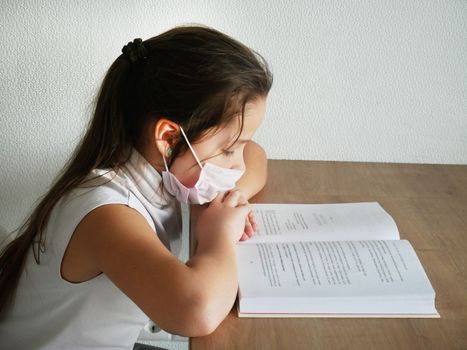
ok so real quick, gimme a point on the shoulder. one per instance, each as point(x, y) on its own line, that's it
point(100, 185)
point(92, 220)
point(70, 210)
point(99, 188)
point(116, 240)
point(97, 236)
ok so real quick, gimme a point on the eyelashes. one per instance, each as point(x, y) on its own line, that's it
point(229, 153)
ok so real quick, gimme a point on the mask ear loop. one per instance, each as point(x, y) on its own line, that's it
point(165, 163)
point(163, 156)
point(191, 148)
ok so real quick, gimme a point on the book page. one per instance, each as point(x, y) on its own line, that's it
point(329, 222)
point(331, 269)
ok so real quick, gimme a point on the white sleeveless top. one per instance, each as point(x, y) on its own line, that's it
point(49, 312)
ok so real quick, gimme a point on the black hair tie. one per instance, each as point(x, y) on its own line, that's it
point(135, 51)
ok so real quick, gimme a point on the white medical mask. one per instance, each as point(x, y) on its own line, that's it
point(212, 180)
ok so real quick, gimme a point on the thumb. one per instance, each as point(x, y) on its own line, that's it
point(218, 198)
point(246, 208)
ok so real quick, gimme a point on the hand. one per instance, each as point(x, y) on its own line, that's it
point(250, 226)
point(226, 215)
point(250, 221)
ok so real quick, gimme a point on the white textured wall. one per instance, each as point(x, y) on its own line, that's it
point(353, 80)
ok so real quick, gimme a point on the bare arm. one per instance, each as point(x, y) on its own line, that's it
point(187, 299)
point(256, 171)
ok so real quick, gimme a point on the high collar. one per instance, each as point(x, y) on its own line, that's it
point(146, 179)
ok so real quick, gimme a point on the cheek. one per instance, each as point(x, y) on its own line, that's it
point(191, 181)
point(187, 178)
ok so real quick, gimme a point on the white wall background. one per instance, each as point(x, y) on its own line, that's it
point(382, 81)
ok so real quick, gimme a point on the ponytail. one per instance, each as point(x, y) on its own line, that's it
point(101, 147)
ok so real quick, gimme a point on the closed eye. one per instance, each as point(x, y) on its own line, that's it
point(228, 153)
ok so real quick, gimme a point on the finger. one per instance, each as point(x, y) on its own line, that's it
point(218, 199)
point(248, 230)
point(244, 237)
point(242, 198)
point(253, 233)
point(252, 230)
point(255, 226)
point(246, 208)
point(232, 198)
point(248, 227)
point(252, 220)
point(243, 210)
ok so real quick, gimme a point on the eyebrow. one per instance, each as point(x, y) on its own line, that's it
point(242, 141)
point(239, 141)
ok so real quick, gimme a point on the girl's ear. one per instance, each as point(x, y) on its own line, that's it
point(165, 134)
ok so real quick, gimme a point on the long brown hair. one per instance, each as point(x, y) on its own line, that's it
point(193, 75)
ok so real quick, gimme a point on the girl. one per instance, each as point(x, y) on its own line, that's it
point(97, 258)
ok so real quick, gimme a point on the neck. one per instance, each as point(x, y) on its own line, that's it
point(153, 156)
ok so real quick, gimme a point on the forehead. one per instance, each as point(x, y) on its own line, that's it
point(253, 116)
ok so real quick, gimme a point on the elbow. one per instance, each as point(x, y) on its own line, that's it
point(200, 320)
point(209, 315)
point(191, 326)
point(204, 325)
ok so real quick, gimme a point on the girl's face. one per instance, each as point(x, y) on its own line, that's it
point(214, 147)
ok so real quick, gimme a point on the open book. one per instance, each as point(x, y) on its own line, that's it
point(330, 260)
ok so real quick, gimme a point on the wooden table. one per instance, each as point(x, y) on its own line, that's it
point(428, 203)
